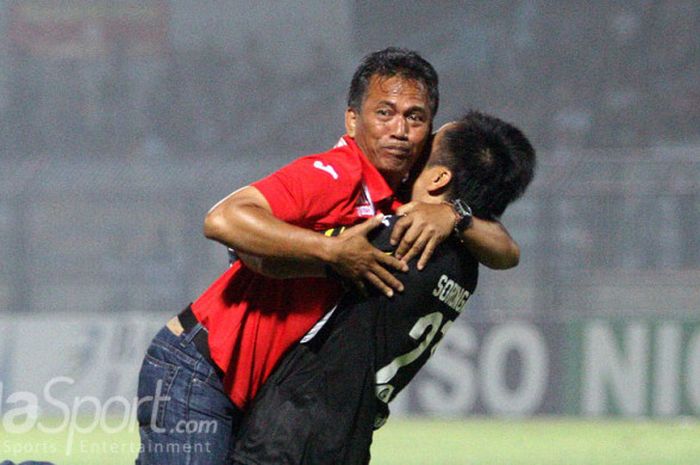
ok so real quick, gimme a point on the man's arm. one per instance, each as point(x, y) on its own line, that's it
point(488, 241)
point(425, 225)
point(244, 222)
point(491, 244)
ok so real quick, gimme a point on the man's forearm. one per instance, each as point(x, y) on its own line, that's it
point(280, 268)
point(250, 229)
point(491, 244)
point(244, 222)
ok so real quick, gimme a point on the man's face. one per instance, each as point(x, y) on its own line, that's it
point(392, 126)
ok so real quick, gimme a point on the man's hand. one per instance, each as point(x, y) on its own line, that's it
point(421, 228)
point(354, 257)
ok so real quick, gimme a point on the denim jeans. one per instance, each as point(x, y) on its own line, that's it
point(7, 462)
point(185, 417)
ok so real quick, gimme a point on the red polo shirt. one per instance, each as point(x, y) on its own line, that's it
point(252, 320)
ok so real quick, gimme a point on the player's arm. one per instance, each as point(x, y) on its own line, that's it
point(425, 225)
point(244, 221)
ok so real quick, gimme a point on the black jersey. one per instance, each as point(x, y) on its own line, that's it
point(323, 401)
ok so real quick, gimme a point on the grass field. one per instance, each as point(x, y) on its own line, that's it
point(420, 442)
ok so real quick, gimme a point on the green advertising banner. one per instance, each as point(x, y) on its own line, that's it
point(633, 367)
point(509, 368)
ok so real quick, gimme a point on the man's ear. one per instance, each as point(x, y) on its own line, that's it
point(350, 122)
point(440, 179)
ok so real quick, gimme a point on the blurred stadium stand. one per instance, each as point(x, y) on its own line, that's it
point(123, 122)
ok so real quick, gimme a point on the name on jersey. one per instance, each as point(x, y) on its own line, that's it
point(451, 294)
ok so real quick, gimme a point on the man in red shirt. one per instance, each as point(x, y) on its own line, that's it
point(206, 365)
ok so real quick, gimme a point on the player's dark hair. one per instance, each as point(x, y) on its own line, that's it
point(492, 162)
point(390, 62)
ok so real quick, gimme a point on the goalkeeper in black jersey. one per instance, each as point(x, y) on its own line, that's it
point(331, 391)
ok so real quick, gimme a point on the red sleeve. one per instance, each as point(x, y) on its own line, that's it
point(307, 189)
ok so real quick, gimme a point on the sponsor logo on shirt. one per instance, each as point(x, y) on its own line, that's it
point(365, 210)
point(326, 168)
point(364, 206)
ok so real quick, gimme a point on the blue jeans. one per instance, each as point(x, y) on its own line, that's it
point(185, 417)
point(7, 462)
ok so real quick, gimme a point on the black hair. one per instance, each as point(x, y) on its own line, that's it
point(492, 162)
point(390, 62)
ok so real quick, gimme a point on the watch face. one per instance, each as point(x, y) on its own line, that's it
point(461, 208)
point(465, 215)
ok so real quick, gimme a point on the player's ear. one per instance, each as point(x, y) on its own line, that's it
point(440, 178)
point(350, 121)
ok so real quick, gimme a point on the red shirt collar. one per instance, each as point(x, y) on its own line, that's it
point(375, 182)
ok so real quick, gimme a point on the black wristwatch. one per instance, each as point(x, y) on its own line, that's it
point(464, 215)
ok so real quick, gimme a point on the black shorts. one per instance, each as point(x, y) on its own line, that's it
point(318, 406)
